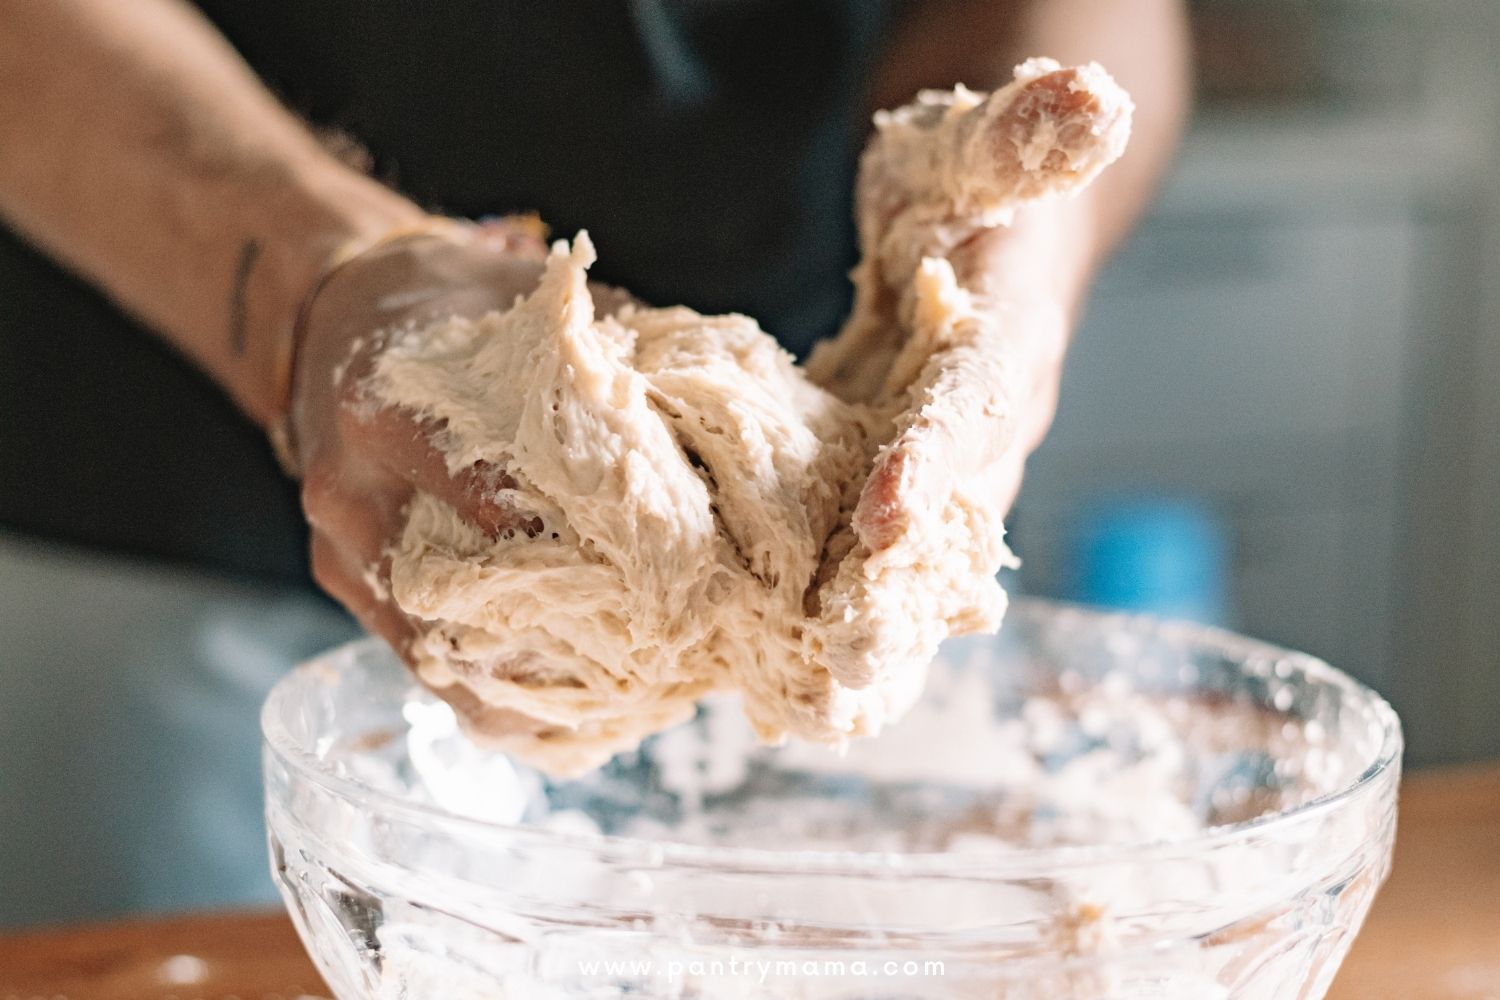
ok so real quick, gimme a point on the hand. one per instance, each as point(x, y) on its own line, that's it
point(361, 460)
point(964, 300)
point(980, 405)
point(986, 319)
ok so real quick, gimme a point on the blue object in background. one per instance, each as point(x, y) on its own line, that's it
point(1166, 556)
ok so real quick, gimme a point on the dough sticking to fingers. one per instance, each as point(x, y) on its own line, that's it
point(701, 514)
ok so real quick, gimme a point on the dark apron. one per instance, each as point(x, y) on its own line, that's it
point(707, 145)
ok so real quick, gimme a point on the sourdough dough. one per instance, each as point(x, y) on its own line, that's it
point(694, 512)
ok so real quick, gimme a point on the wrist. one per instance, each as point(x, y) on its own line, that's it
point(299, 368)
point(290, 237)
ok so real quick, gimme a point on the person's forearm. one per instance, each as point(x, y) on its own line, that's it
point(1143, 44)
point(138, 149)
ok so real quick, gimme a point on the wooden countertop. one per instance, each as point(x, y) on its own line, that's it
point(1434, 933)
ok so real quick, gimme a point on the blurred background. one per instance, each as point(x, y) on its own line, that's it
point(1282, 414)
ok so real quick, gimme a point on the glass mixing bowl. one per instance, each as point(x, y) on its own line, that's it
point(1086, 806)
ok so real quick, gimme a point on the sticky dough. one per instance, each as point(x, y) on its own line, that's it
point(692, 510)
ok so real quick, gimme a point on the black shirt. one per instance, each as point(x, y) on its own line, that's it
point(707, 145)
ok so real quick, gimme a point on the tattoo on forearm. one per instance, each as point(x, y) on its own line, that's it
point(238, 323)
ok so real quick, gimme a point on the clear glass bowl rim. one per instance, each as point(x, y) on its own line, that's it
point(978, 865)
